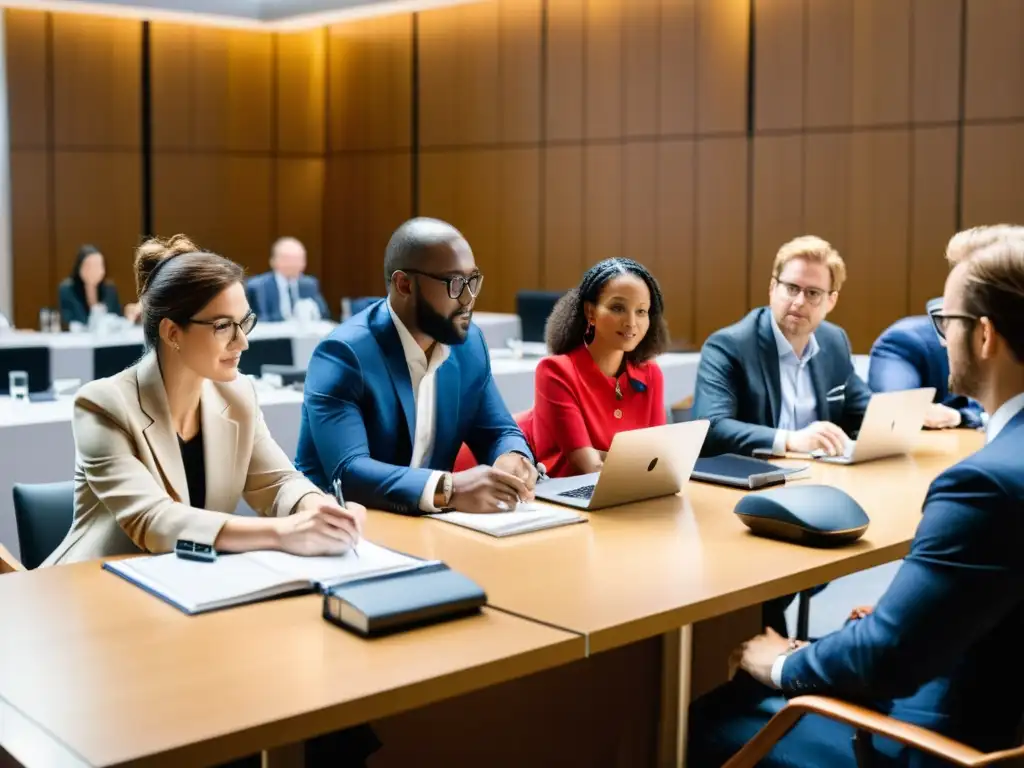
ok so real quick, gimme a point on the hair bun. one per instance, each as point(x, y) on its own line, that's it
point(153, 252)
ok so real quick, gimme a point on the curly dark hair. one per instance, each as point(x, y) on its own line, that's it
point(568, 322)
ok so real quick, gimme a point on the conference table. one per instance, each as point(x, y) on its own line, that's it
point(587, 638)
point(37, 444)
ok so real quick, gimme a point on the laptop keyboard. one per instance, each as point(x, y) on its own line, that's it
point(583, 492)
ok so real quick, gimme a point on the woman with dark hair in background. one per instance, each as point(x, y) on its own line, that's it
point(88, 286)
point(601, 378)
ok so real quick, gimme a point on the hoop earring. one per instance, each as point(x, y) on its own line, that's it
point(588, 334)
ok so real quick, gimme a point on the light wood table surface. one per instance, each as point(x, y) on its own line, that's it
point(640, 570)
point(96, 672)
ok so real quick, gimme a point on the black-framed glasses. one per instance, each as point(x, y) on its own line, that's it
point(457, 284)
point(814, 296)
point(940, 320)
point(226, 329)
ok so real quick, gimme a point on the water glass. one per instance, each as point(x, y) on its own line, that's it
point(18, 383)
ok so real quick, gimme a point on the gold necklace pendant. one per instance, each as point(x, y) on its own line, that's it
point(618, 390)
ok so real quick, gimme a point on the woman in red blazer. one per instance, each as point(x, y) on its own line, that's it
point(601, 377)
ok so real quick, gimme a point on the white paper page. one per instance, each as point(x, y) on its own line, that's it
point(526, 516)
point(336, 569)
point(196, 585)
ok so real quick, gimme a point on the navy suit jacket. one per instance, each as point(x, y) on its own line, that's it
point(908, 355)
point(942, 648)
point(739, 389)
point(266, 301)
point(359, 415)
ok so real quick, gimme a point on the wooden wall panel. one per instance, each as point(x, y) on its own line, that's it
point(677, 77)
point(440, 175)
point(96, 74)
point(604, 60)
point(35, 280)
point(299, 205)
point(478, 192)
point(936, 67)
point(301, 80)
point(602, 202)
point(640, 202)
point(827, 180)
point(223, 202)
point(563, 217)
point(723, 32)
point(777, 214)
point(933, 217)
point(27, 75)
point(881, 62)
point(675, 261)
point(779, 52)
point(876, 287)
point(172, 79)
point(518, 235)
point(565, 68)
point(721, 273)
point(641, 54)
point(995, 59)
point(520, 75)
point(993, 167)
point(97, 200)
point(829, 84)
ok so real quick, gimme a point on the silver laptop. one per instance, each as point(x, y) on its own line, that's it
point(891, 425)
point(641, 464)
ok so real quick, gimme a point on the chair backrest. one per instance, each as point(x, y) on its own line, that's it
point(108, 361)
point(266, 352)
point(466, 460)
point(42, 514)
point(353, 306)
point(35, 361)
point(533, 308)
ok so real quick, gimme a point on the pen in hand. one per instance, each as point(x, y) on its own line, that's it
point(340, 498)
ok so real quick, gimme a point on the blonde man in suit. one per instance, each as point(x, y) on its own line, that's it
point(166, 448)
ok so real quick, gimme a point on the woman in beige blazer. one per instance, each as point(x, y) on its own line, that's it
point(165, 449)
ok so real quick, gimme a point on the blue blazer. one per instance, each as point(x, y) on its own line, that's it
point(359, 416)
point(942, 648)
point(739, 389)
point(264, 298)
point(908, 355)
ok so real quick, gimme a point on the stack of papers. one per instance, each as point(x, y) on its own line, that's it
point(525, 518)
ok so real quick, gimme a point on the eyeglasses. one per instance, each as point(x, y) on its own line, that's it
point(941, 320)
point(457, 284)
point(226, 330)
point(813, 295)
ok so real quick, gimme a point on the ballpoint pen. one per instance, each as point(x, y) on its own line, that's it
point(340, 498)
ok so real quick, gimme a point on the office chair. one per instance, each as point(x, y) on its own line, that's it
point(534, 308)
point(265, 352)
point(42, 514)
point(108, 361)
point(35, 361)
point(350, 307)
point(866, 722)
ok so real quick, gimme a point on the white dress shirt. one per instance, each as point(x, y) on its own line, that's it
point(799, 403)
point(284, 295)
point(422, 374)
point(1003, 416)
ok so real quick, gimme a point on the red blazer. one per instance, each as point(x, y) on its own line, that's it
point(575, 406)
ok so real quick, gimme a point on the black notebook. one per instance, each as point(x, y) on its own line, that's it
point(742, 471)
point(391, 603)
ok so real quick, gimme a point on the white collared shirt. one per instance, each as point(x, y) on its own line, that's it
point(284, 295)
point(422, 375)
point(799, 406)
point(1003, 416)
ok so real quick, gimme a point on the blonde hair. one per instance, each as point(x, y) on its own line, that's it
point(963, 244)
point(816, 251)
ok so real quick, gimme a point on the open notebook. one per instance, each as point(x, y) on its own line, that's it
point(196, 587)
point(525, 518)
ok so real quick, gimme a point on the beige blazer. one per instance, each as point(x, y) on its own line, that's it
point(131, 493)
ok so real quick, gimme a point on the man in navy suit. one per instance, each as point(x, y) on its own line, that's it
point(941, 649)
point(273, 295)
point(393, 393)
point(782, 378)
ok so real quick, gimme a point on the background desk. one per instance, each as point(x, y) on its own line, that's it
point(37, 444)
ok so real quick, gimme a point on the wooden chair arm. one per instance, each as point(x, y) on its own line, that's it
point(865, 719)
point(8, 562)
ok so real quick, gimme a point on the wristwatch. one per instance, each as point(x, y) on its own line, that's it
point(443, 493)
